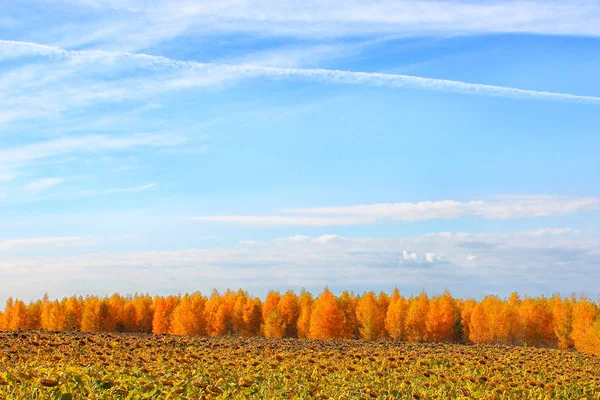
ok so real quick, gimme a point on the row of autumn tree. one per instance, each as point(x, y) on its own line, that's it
point(543, 322)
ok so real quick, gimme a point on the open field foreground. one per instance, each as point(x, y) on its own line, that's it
point(46, 365)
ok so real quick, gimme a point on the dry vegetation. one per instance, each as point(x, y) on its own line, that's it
point(70, 365)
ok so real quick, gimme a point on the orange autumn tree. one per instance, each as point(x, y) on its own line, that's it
point(73, 309)
point(484, 320)
point(537, 323)
point(163, 308)
point(239, 325)
point(188, 317)
point(478, 325)
point(326, 317)
point(252, 315)
point(305, 302)
point(493, 321)
point(96, 316)
point(466, 310)
point(441, 318)
point(144, 313)
point(540, 322)
point(52, 315)
point(585, 315)
point(289, 309)
point(35, 314)
point(16, 315)
point(416, 318)
point(273, 324)
point(347, 304)
point(562, 315)
point(509, 325)
point(383, 303)
point(395, 319)
point(219, 313)
point(371, 324)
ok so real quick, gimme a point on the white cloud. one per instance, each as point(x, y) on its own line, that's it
point(6, 176)
point(294, 56)
point(33, 242)
point(502, 208)
point(280, 220)
point(552, 231)
point(140, 24)
point(251, 243)
point(323, 239)
point(132, 189)
point(83, 144)
point(168, 75)
point(297, 238)
point(409, 255)
point(42, 184)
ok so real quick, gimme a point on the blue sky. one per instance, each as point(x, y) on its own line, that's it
point(171, 146)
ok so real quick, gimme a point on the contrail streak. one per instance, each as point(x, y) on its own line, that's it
point(9, 49)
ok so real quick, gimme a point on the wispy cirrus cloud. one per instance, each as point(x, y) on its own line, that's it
point(90, 144)
point(42, 184)
point(272, 220)
point(131, 189)
point(157, 75)
point(141, 24)
point(500, 208)
point(7, 175)
point(43, 241)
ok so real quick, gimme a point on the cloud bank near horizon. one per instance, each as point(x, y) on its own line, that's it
point(502, 207)
point(539, 261)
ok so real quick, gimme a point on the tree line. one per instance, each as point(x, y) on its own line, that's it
point(554, 322)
